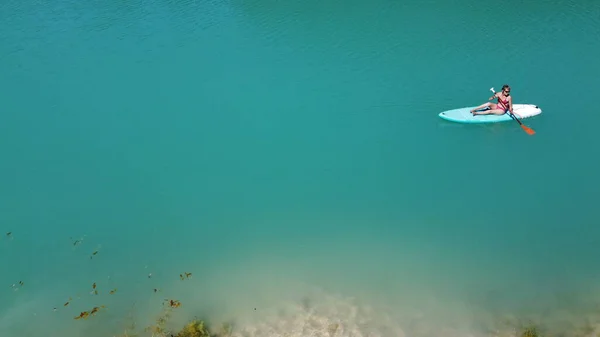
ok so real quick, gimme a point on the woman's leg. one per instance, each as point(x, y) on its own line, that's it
point(484, 105)
point(491, 111)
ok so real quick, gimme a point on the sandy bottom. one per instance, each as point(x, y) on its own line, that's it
point(335, 316)
point(258, 302)
point(317, 313)
point(330, 316)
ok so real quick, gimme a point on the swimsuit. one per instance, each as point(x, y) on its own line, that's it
point(504, 104)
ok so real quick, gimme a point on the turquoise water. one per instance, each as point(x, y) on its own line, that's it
point(291, 154)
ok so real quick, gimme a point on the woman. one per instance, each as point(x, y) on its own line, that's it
point(504, 103)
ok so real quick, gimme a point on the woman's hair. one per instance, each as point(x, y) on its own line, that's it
point(506, 86)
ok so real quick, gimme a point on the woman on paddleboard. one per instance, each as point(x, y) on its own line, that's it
point(504, 103)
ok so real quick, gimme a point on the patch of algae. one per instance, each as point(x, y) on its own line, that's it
point(567, 327)
point(160, 328)
point(197, 328)
point(530, 331)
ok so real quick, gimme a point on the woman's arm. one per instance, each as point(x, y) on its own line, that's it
point(494, 96)
point(510, 106)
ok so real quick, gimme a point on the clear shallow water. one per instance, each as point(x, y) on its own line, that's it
point(277, 149)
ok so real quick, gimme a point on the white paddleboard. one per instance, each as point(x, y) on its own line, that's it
point(463, 115)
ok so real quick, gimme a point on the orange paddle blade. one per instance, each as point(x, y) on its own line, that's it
point(528, 130)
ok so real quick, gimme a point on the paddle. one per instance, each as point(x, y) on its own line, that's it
point(524, 127)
